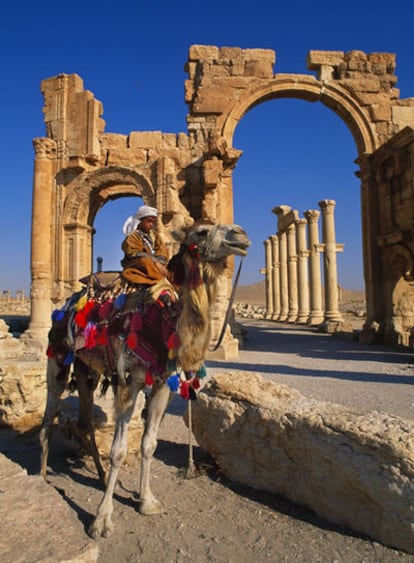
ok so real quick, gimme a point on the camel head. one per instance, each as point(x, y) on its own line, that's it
point(214, 242)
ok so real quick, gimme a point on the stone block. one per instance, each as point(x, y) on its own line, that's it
point(145, 139)
point(355, 469)
point(203, 52)
point(317, 58)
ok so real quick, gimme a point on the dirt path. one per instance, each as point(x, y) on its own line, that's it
point(209, 519)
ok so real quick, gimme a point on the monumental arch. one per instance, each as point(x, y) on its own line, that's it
point(188, 175)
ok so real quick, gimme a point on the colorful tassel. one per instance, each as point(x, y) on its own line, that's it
point(202, 372)
point(105, 309)
point(173, 382)
point(102, 336)
point(120, 301)
point(68, 359)
point(173, 341)
point(90, 335)
point(149, 380)
point(58, 315)
point(49, 352)
point(132, 340)
point(81, 303)
point(80, 319)
point(184, 390)
point(195, 384)
point(171, 365)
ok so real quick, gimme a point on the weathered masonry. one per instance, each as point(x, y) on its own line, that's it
point(79, 167)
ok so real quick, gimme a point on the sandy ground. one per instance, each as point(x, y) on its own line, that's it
point(208, 518)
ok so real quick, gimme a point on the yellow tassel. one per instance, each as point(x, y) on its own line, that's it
point(81, 303)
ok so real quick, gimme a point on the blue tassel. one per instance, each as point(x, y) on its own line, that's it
point(58, 315)
point(120, 301)
point(173, 383)
point(68, 359)
point(202, 372)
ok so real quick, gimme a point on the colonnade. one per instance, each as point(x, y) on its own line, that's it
point(295, 292)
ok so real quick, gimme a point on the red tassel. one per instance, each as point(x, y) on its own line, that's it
point(184, 391)
point(102, 336)
point(105, 309)
point(49, 352)
point(196, 383)
point(90, 335)
point(149, 379)
point(90, 305)
point(132, 340)
point(173, 341)
point(80, 319)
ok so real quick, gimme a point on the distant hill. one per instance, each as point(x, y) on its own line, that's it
point(256, 294)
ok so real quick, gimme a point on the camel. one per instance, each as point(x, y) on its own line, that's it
point(183, 334)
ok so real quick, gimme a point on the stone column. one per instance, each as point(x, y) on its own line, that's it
point(303, 277)
point(41, 244)
point(276, 276)
point(332, 312)
point(284, 291)
point(292, 273)
point(269, 279)
point(316, 312)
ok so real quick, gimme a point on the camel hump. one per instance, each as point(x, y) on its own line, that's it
point(102, 280)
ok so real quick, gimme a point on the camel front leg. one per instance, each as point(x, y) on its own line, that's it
point(125, 404)
point(158, 403)
point(56, 383)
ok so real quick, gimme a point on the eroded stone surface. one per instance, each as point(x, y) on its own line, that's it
point(39, 521)
point(355, 469)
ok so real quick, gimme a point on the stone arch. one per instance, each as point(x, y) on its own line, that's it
point(87, 194)
point(99, 186)
point(305, 88)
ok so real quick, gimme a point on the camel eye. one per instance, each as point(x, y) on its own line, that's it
point(202, 233)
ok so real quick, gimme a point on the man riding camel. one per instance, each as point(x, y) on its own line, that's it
point(145, 254)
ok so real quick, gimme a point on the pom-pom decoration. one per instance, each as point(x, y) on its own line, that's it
point(173, 382)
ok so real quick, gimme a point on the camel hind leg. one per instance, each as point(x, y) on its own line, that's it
point(57, 376)
point(124, 407)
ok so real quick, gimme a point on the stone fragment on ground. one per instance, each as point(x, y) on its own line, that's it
point(37, 524)
point(354, 469)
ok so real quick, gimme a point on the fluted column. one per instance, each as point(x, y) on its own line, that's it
point(276, 276)
point(284, 291)
point(332, 312)
point(292, 273)
point(269, 279)
point(41, 242)
point(316, 313)
point(303, 277)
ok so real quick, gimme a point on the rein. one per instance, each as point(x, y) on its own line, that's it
point(229, 308)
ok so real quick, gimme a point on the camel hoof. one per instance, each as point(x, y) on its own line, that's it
point(151, 507)
point(101, 527)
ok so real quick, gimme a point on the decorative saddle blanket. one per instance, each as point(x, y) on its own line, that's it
point(145, 317)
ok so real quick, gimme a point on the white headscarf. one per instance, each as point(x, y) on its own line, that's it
point(132, 222)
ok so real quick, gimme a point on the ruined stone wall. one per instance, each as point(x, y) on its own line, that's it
point(188, 176)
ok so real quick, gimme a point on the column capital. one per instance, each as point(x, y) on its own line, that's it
point(327, 205)
point(312, 215)
point(44, 148)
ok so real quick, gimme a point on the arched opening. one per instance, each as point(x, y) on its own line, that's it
point(108, 235)
point(296, 154)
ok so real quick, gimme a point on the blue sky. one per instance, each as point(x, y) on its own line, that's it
point(131, 55)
